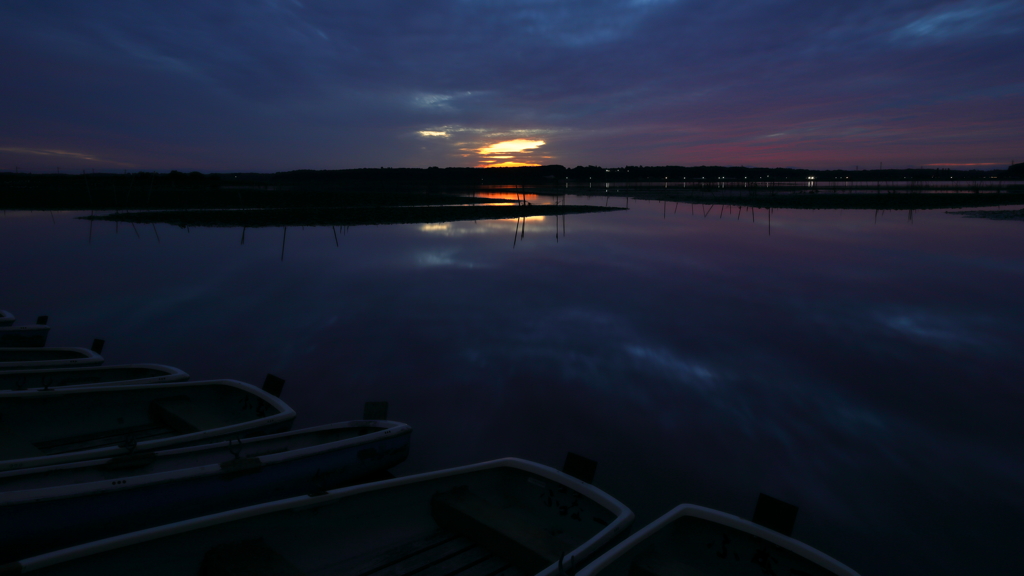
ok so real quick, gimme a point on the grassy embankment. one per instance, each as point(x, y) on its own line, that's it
point(992, 214)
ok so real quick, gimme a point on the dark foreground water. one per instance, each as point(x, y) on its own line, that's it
point(869, 372)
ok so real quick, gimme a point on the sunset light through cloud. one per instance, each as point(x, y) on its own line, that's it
point(517, 145)
point(513, 152)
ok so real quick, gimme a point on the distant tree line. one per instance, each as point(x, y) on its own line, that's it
point(541, 175)
point(322, 187)
point(516, 175)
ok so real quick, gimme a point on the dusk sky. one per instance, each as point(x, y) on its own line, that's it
point(281, 85)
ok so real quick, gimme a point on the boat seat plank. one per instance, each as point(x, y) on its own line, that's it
point(657, 565)
point(509, 533)
point(427, 558)
point(246, 558)
point(409, 558)
point(492, 566)
point(457, 563)
point(103, 438)
point(377, 560)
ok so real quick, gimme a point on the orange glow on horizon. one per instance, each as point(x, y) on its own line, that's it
point(509, 164)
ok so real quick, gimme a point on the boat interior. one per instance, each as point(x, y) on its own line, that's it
point(86, 418)
point(691, 545)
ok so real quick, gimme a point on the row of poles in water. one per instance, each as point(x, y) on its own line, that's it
point(520, 229)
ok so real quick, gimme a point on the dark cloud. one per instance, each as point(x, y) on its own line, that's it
point(277, 85)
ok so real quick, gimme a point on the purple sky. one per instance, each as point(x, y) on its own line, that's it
point(266, 86)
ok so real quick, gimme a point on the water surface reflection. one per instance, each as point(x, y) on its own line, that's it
point(866, 369)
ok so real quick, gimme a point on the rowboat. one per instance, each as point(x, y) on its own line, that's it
point(24, 336)
point(129, 374)
point(509, 517)
point(692, 539)
point(6, 318)
point(45, 427)
point(32, 358)
point(57, 506)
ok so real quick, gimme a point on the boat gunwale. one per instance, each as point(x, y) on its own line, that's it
point(285, 413)
point(89, 358)
point(802, 549)
point(623, 515)
point(171, 372)
point(389, 429)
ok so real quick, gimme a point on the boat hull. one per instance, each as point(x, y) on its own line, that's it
point(6, 318)
point(30, 379)
point(32, 358)
point(24, 336)
point(42, 520)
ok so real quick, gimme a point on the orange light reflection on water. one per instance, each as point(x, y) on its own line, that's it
point(532, 198)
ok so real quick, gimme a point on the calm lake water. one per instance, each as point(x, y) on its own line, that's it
point(867, 371)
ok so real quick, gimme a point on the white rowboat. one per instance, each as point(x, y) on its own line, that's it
point(41, 428)
point(52, 507)
point(507, 517)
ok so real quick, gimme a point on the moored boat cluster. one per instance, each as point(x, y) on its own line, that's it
point(136, 470)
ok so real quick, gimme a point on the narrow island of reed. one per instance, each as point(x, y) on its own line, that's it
point(345, 216)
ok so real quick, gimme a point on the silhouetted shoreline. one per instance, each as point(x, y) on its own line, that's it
point(756, 187)
point(828, 201)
